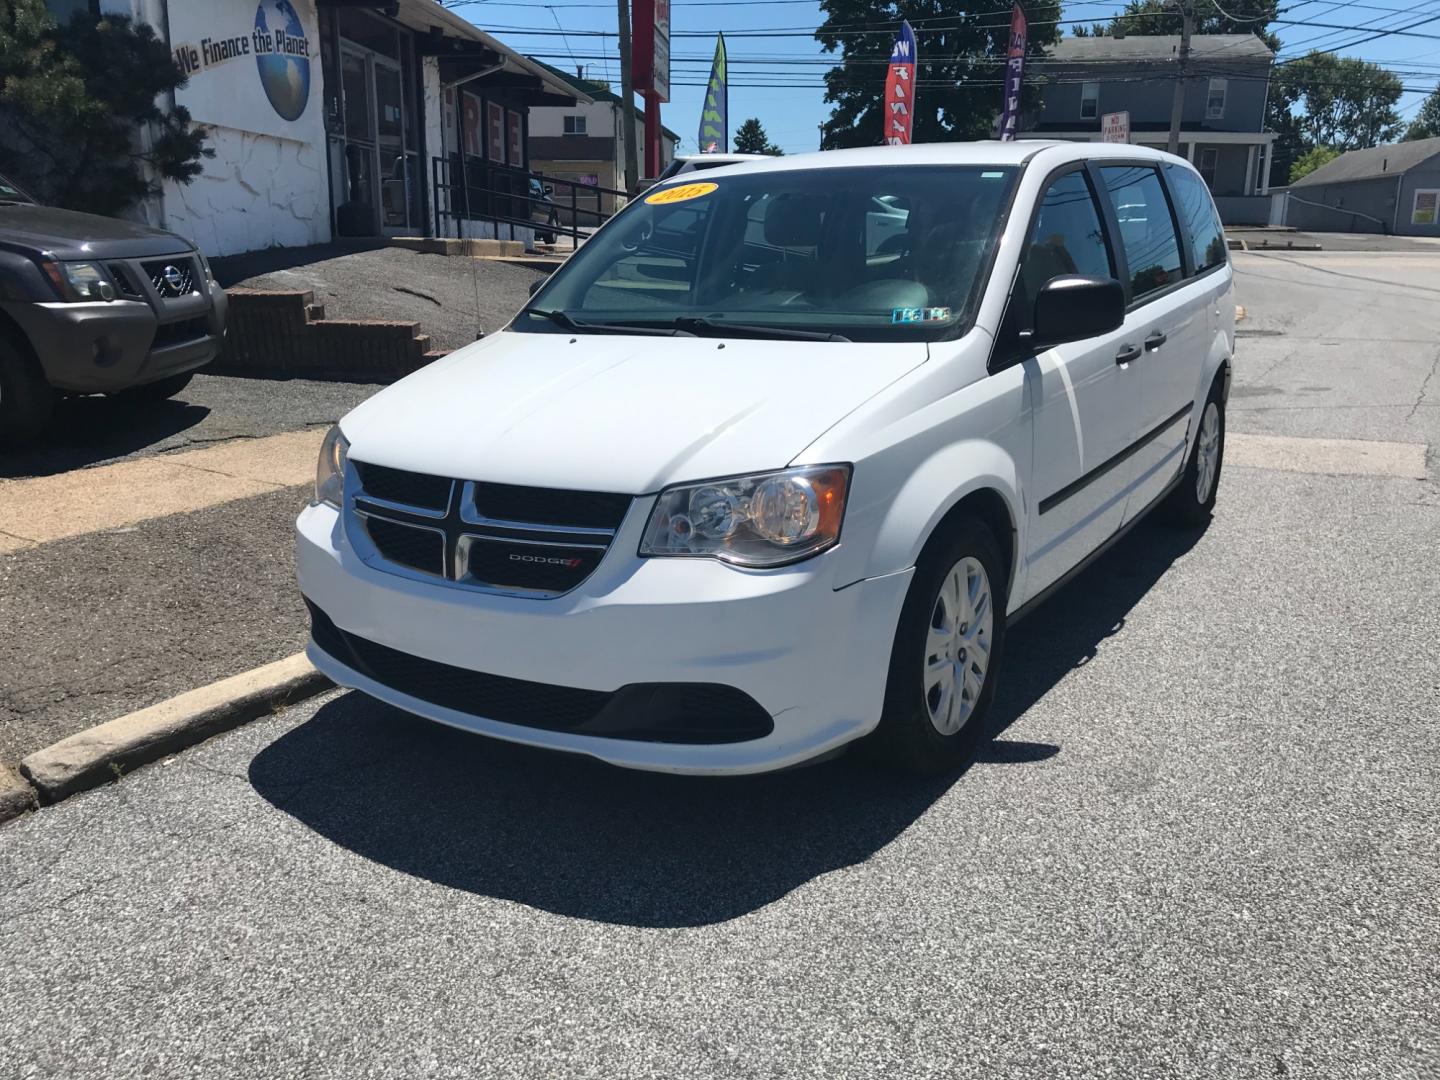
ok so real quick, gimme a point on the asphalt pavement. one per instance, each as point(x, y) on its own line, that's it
point(1202, 841)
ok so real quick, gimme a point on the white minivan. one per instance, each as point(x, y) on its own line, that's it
point(772, 461)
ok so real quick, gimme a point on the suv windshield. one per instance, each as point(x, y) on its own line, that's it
point(865, 254)
point(10, 193)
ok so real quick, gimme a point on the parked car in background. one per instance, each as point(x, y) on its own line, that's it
point(697, 163)
point(96, 305)
point(542, 210)
point(771, 463)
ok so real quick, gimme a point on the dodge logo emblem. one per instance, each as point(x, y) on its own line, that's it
point(174, 280)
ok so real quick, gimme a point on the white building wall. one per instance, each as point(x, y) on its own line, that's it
point(259, 190)
point(547, 121)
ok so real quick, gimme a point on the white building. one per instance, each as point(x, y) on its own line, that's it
point(337, 118)
point(585, 142)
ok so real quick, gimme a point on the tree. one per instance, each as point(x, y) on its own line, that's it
point(1165, 17)
point(1344, 102)
point(1309, 162)
point(751, 139)
point(1426, 124)
point(959, 76)
point(72, 99)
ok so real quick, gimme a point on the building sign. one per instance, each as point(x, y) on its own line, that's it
point(1424, 212)
point(650, 55)
point(253, 68)
point(1115, 127)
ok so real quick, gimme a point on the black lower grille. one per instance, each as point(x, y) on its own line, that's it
point(418, 548)
point(523, 564)
point(693, 713)
point(178, 333)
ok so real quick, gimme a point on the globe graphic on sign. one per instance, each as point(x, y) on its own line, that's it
point(286, 78)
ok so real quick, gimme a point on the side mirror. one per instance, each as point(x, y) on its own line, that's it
point(549, 189)
point(535, 285)
point(1073, 307)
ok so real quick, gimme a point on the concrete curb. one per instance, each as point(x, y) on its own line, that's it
point(16, 796)
point(92, 757)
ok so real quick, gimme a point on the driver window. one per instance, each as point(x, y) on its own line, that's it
point(1067, 238)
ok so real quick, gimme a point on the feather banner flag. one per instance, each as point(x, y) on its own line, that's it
point(715, 116)
point(899, 116)
point(1014, 73)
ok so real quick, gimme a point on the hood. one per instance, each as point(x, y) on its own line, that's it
point(69, 234)
point(623, 414)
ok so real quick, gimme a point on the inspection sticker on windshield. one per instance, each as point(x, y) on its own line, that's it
point(682, 193)
point(918, 314)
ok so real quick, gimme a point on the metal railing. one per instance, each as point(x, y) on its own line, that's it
point(473, 189)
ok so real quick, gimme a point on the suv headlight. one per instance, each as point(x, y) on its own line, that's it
point(79, 280)
point(330, 469)
point(766, 519)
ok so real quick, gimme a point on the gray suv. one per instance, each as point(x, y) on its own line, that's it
point(96, 305)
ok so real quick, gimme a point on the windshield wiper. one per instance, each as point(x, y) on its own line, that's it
point(699, 325)
point(569, 322)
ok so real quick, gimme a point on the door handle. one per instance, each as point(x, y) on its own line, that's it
point(1154, 341)
point(1127, 353)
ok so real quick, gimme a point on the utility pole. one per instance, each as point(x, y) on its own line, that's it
point(1177, 101)
point(627, 98)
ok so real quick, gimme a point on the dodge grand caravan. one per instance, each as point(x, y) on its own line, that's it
point(770, 464)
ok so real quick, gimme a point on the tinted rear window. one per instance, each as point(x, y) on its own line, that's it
point(1196, 211)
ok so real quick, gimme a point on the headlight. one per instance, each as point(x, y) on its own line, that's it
point(79, 280)
point(768, 519)
point(330, 469)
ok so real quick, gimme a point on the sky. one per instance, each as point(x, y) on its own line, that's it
point(571, 33)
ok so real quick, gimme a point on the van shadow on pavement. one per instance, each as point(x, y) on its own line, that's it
point(569, 835)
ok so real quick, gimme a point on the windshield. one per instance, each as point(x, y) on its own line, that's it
point(865, 254)
point(10, 192)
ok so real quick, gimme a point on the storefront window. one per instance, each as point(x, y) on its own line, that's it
point(495, 124)
point(517, 140)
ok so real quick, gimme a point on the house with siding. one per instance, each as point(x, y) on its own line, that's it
point(1222, 128)
point(1381, 189)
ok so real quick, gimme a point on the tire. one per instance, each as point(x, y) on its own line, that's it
point(1193, 501)
point(26, 400)
point(922, 730)
point(158, 390)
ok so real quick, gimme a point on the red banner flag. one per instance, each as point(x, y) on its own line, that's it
point(899, 116)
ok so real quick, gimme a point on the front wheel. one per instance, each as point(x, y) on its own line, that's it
point(946, 656)
point(1194, 500)
point(26, 400)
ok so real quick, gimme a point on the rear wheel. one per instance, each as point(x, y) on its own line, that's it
point(1194, 500)
point(26, 400)
point(946, 656)
point(160, 389)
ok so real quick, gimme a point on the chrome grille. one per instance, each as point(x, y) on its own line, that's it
point(171, 277)
point(497, 537)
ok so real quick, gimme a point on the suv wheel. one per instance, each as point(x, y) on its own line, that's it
point(1193, 501)
point(946, 656)
point(26, 400)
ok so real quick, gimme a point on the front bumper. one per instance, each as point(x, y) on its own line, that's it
point(105, 346)
point(813, 657)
